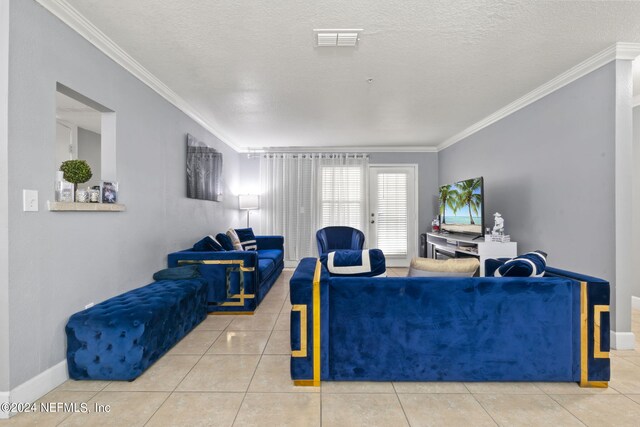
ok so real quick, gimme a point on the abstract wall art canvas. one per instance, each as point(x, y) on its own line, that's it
point(204, 171)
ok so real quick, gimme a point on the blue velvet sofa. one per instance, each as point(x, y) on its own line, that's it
point(237, 280)
point(121, 337)
point(553, 328)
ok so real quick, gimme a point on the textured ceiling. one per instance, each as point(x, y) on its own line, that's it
point(252, 71)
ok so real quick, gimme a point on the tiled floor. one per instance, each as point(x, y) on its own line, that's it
point(234, 370)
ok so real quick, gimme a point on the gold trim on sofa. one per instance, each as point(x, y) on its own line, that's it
point(241, 269)
point(584, 341)
point(302, 309)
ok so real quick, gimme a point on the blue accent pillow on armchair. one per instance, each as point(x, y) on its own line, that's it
point(225, 241)
point(208, 243)
point(531, 264)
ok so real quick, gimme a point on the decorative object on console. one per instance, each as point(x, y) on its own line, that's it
point(204, 171)
point(248, 202)
point(355, 263)
point(435, 225)
point(498, 226)
point(455, 267)
point(531, 264)
point(247, 239)
point(109, 192)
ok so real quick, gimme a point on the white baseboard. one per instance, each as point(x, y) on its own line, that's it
point(623, 340)
point(635, 303)
point(36, 387)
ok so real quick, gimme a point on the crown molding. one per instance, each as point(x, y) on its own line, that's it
point(349, 149)
point(74, 19)
point(623, 51)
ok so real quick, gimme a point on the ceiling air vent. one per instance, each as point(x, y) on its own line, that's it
point(333, 38)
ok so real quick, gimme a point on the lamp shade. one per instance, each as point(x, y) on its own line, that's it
point(248, 201)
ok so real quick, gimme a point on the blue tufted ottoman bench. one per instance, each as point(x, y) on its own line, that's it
point(121, 337)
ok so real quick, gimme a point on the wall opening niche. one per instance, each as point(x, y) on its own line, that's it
point(85, 130)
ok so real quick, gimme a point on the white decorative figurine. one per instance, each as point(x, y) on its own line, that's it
point(498, 228)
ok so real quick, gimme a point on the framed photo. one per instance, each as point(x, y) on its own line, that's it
point(109, 192)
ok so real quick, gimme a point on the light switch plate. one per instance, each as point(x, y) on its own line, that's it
point(30, 200)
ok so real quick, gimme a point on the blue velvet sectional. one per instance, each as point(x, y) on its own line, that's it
point(554, 328)
point(237, 280)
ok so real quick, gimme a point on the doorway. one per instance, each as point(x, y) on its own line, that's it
point(393, 212)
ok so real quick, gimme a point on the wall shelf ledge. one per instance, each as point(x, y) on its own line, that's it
point(85, 207)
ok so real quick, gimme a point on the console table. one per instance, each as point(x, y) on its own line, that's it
point(457, 245)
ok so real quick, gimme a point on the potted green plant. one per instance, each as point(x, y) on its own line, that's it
point(76, 172)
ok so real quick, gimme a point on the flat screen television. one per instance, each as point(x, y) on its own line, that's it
point(462, 206)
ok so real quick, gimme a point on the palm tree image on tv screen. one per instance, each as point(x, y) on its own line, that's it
point(461, 206)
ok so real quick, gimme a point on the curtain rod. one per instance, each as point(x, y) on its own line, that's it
point(311, 155)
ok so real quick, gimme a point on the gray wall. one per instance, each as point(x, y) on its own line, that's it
point(427, 181)
point(4, 185)
point(64, 260)
point(549, 170)
point(89, 150)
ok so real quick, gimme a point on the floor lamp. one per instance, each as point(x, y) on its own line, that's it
point(248, 202)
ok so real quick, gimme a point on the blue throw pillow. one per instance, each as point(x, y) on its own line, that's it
point(531, 264)
point(208, 243)
point(225, 241)
point(247, 239)
point(177, 273)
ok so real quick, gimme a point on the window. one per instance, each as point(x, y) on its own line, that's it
point(342, 196)
point(392, 221)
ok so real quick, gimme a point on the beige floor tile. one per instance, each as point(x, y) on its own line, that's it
point(633, 359)
point(430, 387)
point(366, 410)
point(221, 373)
point(215, 322)
point(257, 322)
point(273, 375)
point(47, 411)
point(270, 306)
point(283, 322)
point(196, 342)
point(624, 353)
point(73, 385)
point(240, 342)
point(279, 409)
point(526, 410)
point(125, 409)
point(444, 410)
point(279, 343)
point(356, 387)
point(625, 376)
point(573, 388)
point(634, 397)
point(602, 410)
point(197, 409)
point(164, 375)
point(503, 388)
point(286, 307)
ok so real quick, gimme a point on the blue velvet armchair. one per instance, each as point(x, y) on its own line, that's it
point(338, 237)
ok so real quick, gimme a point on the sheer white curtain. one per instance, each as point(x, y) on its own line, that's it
point(302, 193)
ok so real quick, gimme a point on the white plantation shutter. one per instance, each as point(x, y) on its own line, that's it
point(342, 201)
point(391, 218)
